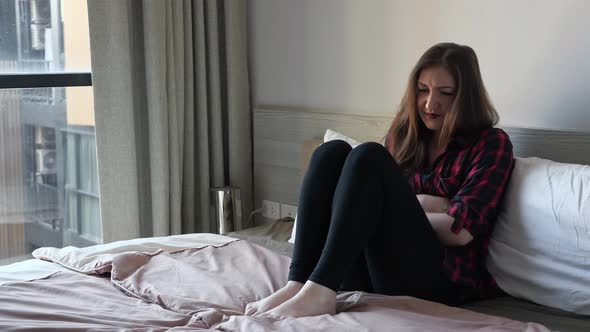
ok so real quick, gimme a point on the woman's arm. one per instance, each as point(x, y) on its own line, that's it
point(436, 208)
point(436, 204)
point(441, 223)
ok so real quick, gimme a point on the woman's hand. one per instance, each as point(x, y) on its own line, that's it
point(434, 204)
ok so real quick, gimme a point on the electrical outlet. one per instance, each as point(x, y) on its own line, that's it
point(288, 210)
point(271, 210)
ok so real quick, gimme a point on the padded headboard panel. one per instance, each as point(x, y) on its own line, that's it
point(279, 136)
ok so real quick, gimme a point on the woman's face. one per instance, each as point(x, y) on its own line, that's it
point(435, 93)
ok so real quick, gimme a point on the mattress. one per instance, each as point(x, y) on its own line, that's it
point(274, 236)
point(525, 311)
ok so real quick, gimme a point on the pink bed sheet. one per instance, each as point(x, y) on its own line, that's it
point(208, 288)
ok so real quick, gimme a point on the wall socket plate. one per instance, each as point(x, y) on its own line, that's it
point(271, 209)
point(288, 211)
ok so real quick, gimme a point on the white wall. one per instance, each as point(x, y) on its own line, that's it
point(354, 56)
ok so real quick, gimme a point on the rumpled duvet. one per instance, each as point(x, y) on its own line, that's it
point(195, 282)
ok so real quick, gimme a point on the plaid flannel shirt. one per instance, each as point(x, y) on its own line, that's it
point(472, 173)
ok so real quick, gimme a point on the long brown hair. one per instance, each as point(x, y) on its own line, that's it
point(471, 111)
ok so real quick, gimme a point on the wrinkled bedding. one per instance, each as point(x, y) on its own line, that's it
point(202, 282)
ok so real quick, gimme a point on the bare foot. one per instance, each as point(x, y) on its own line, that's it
point(312, 300)
point(274, 299)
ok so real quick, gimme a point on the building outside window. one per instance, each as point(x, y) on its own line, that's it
point(48, 166)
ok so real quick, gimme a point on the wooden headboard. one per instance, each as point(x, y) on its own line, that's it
point(279, 135)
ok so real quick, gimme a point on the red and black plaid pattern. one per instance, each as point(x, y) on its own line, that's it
point(472, 173)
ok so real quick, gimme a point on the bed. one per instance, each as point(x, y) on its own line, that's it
point(195, 282)
point(204, 281)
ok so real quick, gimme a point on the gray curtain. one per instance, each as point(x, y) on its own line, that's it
point(173, 116)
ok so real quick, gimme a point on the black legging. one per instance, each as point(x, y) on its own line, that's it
point(361, 227)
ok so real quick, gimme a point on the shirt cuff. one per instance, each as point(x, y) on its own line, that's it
point(458, 212)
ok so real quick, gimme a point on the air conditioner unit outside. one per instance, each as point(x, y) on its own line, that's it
point(46, 161)
point(40, 21)
point(44, 138)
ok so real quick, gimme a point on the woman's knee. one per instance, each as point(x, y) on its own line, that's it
point(369, 151)
point(334, 151)
point(370, 155)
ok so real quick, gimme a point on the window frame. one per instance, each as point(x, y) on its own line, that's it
point(44, 80)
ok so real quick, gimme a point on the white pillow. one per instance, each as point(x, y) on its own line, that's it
point(540, 248)
point(330, 135)
point(294, 231)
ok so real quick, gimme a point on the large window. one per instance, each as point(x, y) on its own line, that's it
point(48, 168)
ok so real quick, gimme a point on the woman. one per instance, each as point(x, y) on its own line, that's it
point(411, 218)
